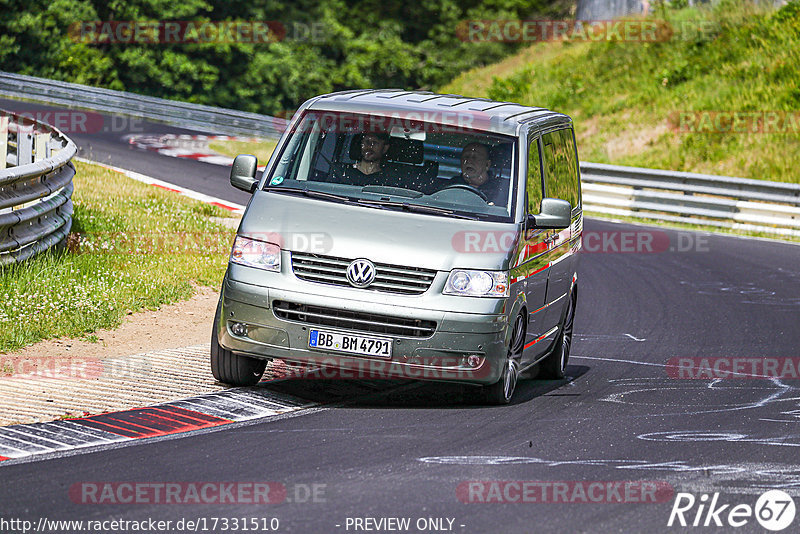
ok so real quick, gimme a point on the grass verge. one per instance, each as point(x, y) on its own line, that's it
point(132, 247)
point(261, 148)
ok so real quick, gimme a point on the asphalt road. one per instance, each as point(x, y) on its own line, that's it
point(410, 452)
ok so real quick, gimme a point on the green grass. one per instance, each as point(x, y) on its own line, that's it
point(261, 148)
point(626, 97)
point(132, 247)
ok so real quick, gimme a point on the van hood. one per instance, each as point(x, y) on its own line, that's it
point(383, 236)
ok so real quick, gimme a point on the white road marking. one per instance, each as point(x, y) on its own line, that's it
point(616, 360)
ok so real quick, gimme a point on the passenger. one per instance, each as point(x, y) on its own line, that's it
point(369, 169)
point(475, 173)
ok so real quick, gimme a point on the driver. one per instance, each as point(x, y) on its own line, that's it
point(475, 173)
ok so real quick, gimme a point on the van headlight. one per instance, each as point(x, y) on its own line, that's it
point(477, 283)
point(258, 254)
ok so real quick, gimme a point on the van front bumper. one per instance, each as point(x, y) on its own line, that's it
point(463, 347)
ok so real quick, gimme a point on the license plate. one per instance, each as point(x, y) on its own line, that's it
point(380, 347)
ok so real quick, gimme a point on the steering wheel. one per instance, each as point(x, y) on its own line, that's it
point(469, 188)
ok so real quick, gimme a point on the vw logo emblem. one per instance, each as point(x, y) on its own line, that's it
point(360, 273)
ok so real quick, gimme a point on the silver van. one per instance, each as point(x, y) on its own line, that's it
point(407, 234)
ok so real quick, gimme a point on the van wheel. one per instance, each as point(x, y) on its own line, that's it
point(501, 391)
point(231, 368)
point(555, 365)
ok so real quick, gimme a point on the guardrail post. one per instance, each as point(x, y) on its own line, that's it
point(689, 194)
point(41, 146)
point(24, 146)
point(3, 141)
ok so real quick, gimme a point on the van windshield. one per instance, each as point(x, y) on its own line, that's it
point(391, 163)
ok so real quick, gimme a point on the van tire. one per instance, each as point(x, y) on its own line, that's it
point(555, 365)
point(501, 391)
point(230, 368)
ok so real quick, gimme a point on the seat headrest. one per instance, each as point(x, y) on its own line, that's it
point(500, 156)
point(355, 147)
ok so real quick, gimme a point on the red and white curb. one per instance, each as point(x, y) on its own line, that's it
point(20, 443)
point(230, 206)
point(276, 396)
point(205, 411)
point(187, 146)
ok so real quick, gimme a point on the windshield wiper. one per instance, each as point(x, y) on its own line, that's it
point(417, 208)
point(387, 204)
point(308, 193)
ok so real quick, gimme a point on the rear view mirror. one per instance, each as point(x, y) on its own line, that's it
point(555, 213)
point(407, 133)
point(243, 172)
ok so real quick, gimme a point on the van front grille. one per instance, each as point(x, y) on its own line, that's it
point(351, 320)
point(388, 278)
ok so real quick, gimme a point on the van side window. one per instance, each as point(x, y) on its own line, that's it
point(561, 166)
point(533, 184)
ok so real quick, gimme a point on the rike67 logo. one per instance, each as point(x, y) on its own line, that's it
point(774, 510)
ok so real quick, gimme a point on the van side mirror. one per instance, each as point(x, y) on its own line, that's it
point(243, 172)
point(555, 213)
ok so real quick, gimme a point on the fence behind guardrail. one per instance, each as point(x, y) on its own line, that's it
point(35, 187)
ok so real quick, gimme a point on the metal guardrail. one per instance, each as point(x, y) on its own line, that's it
point(181, 114)
point(721, 201)
point(35, 187)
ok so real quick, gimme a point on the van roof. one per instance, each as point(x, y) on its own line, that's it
point(495, 116)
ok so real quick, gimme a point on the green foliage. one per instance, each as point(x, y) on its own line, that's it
point(627, 97)
point(359, 43)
